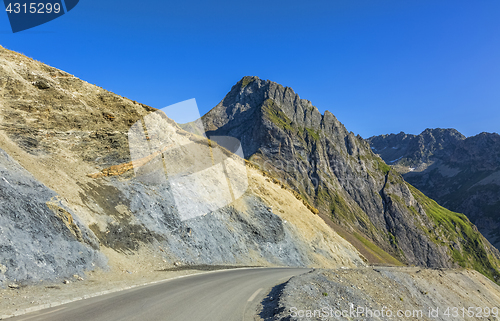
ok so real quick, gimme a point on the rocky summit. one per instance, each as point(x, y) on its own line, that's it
point(462, 174)
point(353, 189)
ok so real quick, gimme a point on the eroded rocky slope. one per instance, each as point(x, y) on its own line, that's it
point(40, 236)
point(76, 196)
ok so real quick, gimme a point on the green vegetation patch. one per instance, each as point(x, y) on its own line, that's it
point(375, 164)
point(382, 255)
point(372, 253)
point(335, 203)
point(314, 134)
point(276, 115)
point(382, 166)
point(246, 80)
point(280, 119)
point(341, 210)
point(470, 250)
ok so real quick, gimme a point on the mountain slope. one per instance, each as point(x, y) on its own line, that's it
point(335, 171)
point(462, 174)
point(81, 184)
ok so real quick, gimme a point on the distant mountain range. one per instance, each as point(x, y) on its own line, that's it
point(462, 174)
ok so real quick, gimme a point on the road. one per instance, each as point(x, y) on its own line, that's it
point(228, 295)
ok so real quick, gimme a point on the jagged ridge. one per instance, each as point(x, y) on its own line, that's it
point(330, 167)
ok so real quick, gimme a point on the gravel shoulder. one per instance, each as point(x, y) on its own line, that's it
point(324, 294)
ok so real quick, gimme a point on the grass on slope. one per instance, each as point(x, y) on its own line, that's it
point(276, 115)
point(382, 255)
point(246, 81)
point(280, 119)
point(382, 166)
point(374, 254)
point(469, 250)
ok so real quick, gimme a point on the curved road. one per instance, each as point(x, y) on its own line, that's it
point(228, 295)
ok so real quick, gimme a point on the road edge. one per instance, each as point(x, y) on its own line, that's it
point(93, 295)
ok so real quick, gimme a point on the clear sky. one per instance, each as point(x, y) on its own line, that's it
point(380, 66)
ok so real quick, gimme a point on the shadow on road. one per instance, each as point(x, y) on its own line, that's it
point(269, 306)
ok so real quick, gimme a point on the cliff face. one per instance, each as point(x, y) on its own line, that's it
point(84, 185)
point(333, 170)
point(462, 174)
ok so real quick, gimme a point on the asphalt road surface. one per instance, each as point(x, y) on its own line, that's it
point(228, 295)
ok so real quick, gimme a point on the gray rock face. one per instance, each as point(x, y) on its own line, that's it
point(329, 166)
point(462, 174)
point(40, 238)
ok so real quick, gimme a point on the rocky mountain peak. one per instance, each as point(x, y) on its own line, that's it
point(253, 102)
point(253, 92)
point(332, 169)
point(443, 133)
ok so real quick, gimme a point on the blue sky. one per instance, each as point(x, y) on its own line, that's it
point(380, 66)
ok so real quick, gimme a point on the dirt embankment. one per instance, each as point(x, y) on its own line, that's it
point(386, 293)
